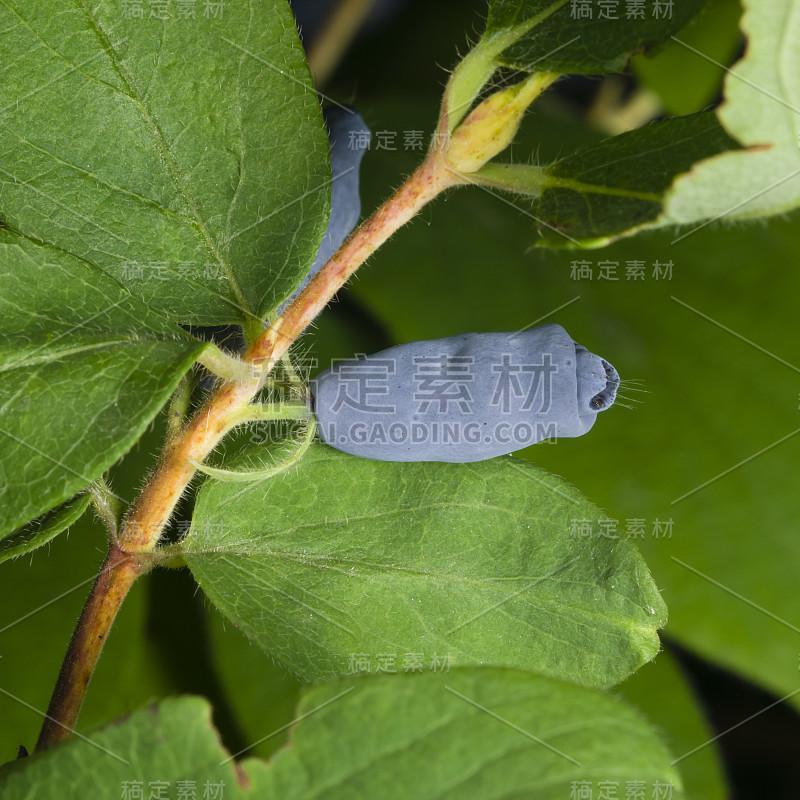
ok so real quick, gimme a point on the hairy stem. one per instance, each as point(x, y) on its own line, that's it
point(223, 409)
point(154, 506)
point(116, 577)
point(430, 179)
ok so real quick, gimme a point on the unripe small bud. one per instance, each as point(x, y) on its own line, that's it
point(492, 126)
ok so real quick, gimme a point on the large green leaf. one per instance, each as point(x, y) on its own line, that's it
point(614, 187)
point(85, 365)
point(472, 733)
point(351, 564)
point(186, 157)
point(762, 111)
point(585, 37)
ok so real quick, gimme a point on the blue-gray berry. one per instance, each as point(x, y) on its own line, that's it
point(464, 398)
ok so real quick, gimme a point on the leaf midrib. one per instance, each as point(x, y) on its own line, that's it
point(160, 141)
point(592, 614)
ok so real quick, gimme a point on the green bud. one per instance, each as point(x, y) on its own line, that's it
point(492, 126)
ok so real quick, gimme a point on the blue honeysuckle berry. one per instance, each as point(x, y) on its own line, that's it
point(463, 398)
point(349, 138)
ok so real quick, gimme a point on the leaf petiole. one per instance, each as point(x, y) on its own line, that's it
point(248, 476)
point(107, 505)
point(225, 365)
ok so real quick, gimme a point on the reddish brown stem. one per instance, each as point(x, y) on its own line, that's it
point(110, 588)
point(154, 506)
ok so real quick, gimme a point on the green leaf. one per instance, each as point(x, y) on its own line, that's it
point(44, 529)
point(558, 37)
point(86, 366)
point(185, 157)
point(346, 563)
point(472, 733)
point(612, 188)
point(160, 744)
point(762, 110)
point(263, 696)
point(468, 734)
